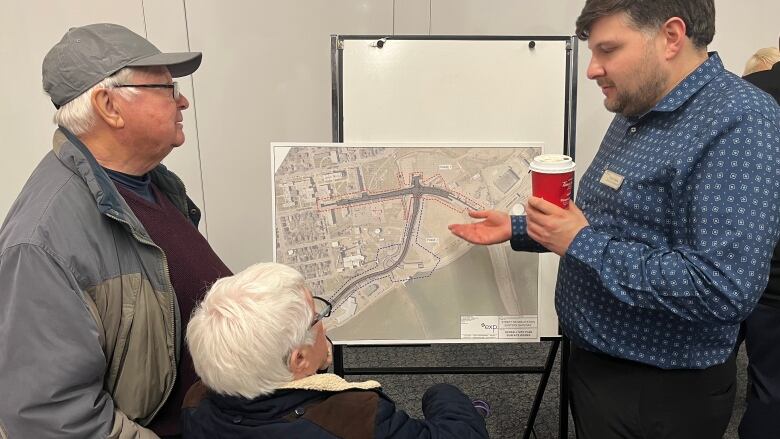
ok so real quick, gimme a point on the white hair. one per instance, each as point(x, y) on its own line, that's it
point(763, 59)
point(77, 115)
point(242, 333)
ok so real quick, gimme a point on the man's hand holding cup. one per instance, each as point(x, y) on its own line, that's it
point(553, 220)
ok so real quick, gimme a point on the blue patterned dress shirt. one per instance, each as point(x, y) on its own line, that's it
point(678, 254)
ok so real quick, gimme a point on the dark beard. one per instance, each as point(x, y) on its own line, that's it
point(639, 101)
point(643, 99)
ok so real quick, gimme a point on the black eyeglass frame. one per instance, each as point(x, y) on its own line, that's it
point(174, 86)
point(324, 313)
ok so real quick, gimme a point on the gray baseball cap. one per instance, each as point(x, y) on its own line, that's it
point(89, 54)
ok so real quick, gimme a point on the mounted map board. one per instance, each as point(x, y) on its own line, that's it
point(363, 223)
point(477, 90)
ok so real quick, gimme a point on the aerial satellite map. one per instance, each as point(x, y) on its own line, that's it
point(366, 224)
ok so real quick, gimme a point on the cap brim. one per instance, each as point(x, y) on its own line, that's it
point(178, 64)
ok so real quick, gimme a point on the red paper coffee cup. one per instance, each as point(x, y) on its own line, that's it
point(552, 178)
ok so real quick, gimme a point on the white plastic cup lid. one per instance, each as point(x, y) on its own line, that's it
point(552, 164)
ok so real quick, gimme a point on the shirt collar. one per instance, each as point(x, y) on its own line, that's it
point(706, 72)
point(680, 94)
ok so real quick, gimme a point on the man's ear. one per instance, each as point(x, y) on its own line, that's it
point(106, 108)
point(299, 364)
point(673, 34)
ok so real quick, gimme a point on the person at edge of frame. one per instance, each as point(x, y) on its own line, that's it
point(761, 330)
point(668, 245)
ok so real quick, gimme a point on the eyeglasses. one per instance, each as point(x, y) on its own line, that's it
point(322, 309)
point(173, 86)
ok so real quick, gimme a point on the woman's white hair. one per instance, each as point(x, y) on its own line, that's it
point(763, 59)
point(77, 115)
point(242, 333)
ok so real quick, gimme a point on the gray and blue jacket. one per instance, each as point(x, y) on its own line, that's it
point(89, 324)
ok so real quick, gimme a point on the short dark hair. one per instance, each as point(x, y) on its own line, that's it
point(698, 15)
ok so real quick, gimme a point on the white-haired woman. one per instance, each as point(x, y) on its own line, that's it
point(257, 341)
point(762, 60)
point(763, 71)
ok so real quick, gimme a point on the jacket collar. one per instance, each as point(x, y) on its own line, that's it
point(328, 382)
point(72, 152)
point(289, 396)
point(75, 155)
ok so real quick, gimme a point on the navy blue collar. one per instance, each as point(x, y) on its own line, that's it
point(682, 92)
point(140, 184)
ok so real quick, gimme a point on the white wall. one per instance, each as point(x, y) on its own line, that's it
point(266, 77)
point(28, 29)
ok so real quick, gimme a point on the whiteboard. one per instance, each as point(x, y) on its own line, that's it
point(501, 89)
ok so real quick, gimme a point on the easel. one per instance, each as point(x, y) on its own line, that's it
point(569, 123)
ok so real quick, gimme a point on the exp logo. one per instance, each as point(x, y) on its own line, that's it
point(493, 328)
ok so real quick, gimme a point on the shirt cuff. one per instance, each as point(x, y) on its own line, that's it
point(519, 238)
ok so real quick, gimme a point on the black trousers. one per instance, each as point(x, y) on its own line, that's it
point(761, 332)
point(614, 398)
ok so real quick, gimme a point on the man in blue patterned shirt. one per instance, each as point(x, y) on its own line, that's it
point(669, 248)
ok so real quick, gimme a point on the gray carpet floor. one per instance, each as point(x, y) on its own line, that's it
point(510, 396)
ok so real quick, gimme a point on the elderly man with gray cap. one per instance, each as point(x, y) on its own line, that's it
point(101, 261)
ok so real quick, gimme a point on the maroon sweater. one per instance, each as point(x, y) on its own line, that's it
point(194, 267)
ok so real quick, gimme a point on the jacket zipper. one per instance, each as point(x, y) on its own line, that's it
point(172, 332)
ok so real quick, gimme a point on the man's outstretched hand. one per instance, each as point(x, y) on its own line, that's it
point(496, 227)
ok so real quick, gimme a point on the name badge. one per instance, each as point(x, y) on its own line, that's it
point(611, 179)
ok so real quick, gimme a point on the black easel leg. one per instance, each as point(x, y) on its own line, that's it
point(548, 365)
point(563, 429)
